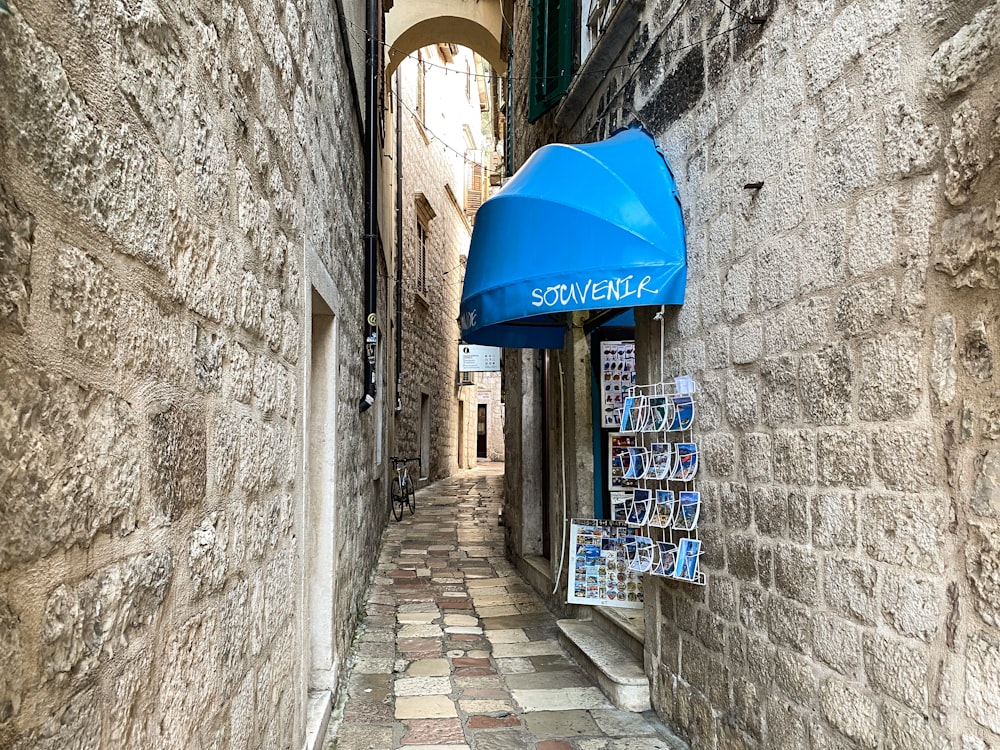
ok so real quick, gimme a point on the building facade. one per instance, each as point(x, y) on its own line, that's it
point(490, 417)
point(440, 103)
point(191, 498)
point(836, 166)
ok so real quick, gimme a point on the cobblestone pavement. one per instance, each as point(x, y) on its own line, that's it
point(457, 652)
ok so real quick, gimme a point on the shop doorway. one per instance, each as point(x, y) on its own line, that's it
point(425, 435)
point(481, 423)
point(548, 404)
point(460, 456)
point(321, 493)
point(612, 357)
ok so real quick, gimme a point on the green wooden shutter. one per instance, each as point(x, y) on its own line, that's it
point(551, 54)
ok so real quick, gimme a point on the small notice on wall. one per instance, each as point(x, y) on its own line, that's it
point(476, 358)
point(600, 573)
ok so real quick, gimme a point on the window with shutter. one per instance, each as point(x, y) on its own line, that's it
point(424, 215)
point(421, 258)
point(474, 187)
point(551, 54)
point(421, 89)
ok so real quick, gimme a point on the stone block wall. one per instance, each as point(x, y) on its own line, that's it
point(489, 392)
point(164, 171)
point(842, 322)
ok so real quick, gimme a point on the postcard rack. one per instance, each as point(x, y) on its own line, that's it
point(654, 462)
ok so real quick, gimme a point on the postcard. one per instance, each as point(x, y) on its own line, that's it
point(666, 559)
point(688, 508)
point(658, 413)
point(685, 462)
point(640, 553)
point(633, 413)
point(663, 509)
point(636, 463)
point(619, 506)
point(687, 559)
point(683, 414)
point(661, 461)
point(640, 507)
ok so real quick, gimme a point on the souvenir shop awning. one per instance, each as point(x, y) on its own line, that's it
point(596, 226)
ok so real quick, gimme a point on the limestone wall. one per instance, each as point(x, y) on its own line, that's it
point(842, 324)
point(489, 393)
point(173, 182)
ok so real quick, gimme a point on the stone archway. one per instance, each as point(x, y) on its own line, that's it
point(478, 25)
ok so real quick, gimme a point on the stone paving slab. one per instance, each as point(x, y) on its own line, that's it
point(548, 680)
point(422, 686)
point(433, 731)
point(364, 737)
point(429, 668)
point(560, 700)
point(517, 621)
point(561, 724)
point(528, 648)
point(457, 652)
point(425, 707)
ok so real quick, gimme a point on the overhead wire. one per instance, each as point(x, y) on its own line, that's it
point(601, 72)
point(431, 134)
point(398, 99)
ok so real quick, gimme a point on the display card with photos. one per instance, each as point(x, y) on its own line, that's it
point(654, 462)
point(601, 571)
point(617, 376)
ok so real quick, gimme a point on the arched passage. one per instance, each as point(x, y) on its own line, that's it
point(412, 24)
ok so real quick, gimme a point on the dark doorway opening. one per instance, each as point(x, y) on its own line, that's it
point(481, 432)
point(548, 402)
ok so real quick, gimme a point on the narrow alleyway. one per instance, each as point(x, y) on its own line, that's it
point(457, 652)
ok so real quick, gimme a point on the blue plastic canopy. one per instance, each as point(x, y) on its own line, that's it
point(578, 227)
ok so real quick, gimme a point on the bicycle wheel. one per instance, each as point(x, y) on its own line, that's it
point(411, 496)
point(396, 498)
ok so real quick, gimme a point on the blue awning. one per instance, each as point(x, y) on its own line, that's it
point(579, 227)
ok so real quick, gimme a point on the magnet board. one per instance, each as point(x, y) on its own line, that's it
point(599, 565)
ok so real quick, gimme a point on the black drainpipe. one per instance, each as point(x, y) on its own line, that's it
point(372, 48)
point(509, 146)
point(399, 247)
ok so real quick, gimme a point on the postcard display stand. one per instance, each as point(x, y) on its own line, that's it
point(600, 572)
point(655, 506)
point(661, 507)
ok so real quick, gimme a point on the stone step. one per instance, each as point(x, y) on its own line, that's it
point(317, 718)
point(627, 626)
point(618, 671)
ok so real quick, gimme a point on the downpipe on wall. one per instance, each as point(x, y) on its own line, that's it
point(372, 47)
point(562, 453)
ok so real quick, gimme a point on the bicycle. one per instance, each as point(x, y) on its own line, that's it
point(402, 491)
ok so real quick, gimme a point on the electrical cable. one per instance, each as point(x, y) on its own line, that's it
point(432, 135)
point(755, 20)
point(601, 73)
point(562, 448)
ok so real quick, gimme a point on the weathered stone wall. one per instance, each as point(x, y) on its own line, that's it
point(488, 392)
point(163, 171)
point(433, 166)
point(842, 324)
